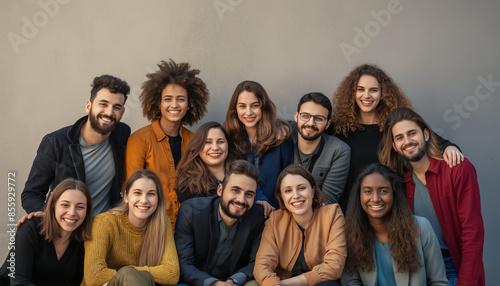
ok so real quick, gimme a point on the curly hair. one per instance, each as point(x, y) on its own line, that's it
point(172, 73)
point(345, 109)
point(390, 157)
point(192, 174)
point(402, 229)
point(114, 84)
point(267, 127)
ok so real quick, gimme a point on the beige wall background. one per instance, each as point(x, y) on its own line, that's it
point(443, 54)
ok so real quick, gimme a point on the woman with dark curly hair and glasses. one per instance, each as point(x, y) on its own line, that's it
point(171, 97)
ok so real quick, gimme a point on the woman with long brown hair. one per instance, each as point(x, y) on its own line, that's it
point(205, 163)
point(361, 105)
point(252, 123)
point(134, 239)
point(303, 243)
point(387, 245)
point(49, 250)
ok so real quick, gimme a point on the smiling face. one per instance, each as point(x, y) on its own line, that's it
point(368, 94)
point(142, 200)
point(70, 210)
point(105, 111)
point(297, 195)
point(215, 151)
point(376, 196)
point(249, 109)
point(174, 103)
point(409, 140)
point(311, 130)
point(237, 196)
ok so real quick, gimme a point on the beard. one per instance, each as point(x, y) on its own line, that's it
point(102, 129)
point(416, 157)
point(310, 137)
point(224, 206)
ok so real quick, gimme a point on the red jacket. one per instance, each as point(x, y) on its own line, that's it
point(455, 196)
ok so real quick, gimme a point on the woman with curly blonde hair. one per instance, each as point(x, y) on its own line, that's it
point(172, 96)
point(361, 105)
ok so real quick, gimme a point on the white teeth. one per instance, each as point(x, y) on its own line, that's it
point(142, 208)
point(70, 220)
point(297, 203)
point(376, 207)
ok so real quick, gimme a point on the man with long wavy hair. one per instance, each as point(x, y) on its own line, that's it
point(447, 197)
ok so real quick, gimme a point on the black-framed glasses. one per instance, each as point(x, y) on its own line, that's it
point(318, 119)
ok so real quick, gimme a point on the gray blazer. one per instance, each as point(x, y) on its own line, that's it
point(432, 271)
point(332, 159)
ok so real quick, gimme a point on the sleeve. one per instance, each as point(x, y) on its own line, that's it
point(255, 244)
point(96, 271)
point(184, 242)
point(79, 267)
point(445, 143)
point(350, 279)
point(471, 221)
point(135, 155)
point(42, 174)
point(434, 264)
point(267, 257)
point(336, 252)
point(167, 273)
point(286, 153)
point(25, 250)
point(335, 180)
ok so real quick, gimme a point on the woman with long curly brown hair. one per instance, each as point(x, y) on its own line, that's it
point(361, 105)
point(205, 163)
point(171, 97)
point(386, 244)
point(252, 123)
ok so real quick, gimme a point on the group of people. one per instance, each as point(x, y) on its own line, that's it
point(361, 192)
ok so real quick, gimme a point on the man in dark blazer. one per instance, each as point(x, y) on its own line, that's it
point(217, 237)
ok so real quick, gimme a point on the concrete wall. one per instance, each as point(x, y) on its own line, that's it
point(443, 54)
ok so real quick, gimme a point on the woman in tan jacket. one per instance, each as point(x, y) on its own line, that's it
point(304, 242)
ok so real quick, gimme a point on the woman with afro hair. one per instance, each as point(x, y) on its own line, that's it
point(361, 105)
point(171, 97)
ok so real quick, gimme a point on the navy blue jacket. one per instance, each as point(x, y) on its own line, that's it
point(270, 165)
point(59, 157)
point(197, 234)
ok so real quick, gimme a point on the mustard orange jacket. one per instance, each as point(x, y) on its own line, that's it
point(148, 148)
point(324, 248)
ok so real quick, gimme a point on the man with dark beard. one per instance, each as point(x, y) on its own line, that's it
point(447, 197)
point(91, 150)
point(325, 156)
point(217, 237)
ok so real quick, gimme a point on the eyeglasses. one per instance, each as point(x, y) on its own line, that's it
point(318, 119)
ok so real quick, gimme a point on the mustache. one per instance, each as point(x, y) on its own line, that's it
point(112, 118)
point(310, 126)
point(245, 205)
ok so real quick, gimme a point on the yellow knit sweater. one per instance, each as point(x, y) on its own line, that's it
point(116, 243)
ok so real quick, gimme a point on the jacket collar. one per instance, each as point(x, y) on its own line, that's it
point(433, 167)
point(75, 130)
point(159, 133)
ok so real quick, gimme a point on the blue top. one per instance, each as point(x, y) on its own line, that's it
point(270, 165)
point(383, 258)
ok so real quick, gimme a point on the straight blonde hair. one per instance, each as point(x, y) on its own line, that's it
point(153, 237)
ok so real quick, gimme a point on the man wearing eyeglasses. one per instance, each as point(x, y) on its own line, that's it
point(325, 156)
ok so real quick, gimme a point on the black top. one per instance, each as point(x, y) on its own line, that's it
point(175, 143)
point(36, 260)
point(364, 150)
